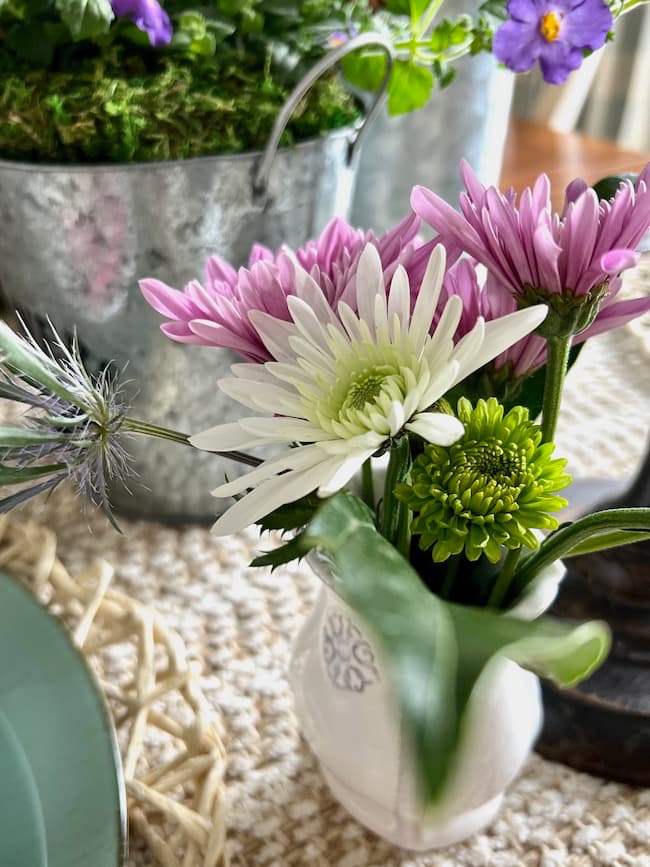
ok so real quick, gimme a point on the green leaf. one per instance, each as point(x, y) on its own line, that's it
point(496, 8)
point(17, 499)
point(590, 533)
point(409, 88)
point(17, 437)
point(85, 19)
point(365, 69)
point(293, 550)
point(436, 651)
point(418, 7)
point(17, 475)
point(548, 647)
point(292, 516)
point(606, 188)
point(398, 7)
point(612, 539)
point(15, 354)
point(413, 625)
point(31, 42)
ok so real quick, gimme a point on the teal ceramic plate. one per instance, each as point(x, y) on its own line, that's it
point(62, 801)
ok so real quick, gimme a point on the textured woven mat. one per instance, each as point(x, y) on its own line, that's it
point(239, 623)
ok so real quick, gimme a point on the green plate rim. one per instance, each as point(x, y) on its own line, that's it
point(123, 847)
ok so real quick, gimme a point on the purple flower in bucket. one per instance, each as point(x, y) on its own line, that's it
point(555, 32)
point(148, 16)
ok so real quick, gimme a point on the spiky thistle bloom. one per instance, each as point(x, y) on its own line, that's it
point(343, 386)
point(71, 424)
point(217, 312)
point(567, 260)
point(487, 491)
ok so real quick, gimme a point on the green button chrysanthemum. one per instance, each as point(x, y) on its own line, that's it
point(489, 490)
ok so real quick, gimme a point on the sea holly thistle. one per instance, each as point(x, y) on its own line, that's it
point(71, 426)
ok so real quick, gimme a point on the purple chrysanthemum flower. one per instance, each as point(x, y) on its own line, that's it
point(555, 32)
point(217, 313)
point(569, 260)
point(491, 300)
point(148, 16)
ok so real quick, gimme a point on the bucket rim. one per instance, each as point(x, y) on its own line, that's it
point(165, 165)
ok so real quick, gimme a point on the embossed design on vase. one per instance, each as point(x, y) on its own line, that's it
point(363, 750)
point(349, 658)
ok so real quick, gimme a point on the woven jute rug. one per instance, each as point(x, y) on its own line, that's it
point(238, 625)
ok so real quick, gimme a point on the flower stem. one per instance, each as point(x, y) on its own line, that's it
point(556, 367)
point(395, 524)
point(144, 428)
point(505, 577)
point(450, 576)
point(367, 485)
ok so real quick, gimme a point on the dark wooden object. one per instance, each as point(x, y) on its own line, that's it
point(603, 725)
point(532, 149)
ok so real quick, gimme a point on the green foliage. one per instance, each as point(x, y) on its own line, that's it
point(606, 188)
point(121, 110)
point(78, 87)
point(410, 87)
point(85, 19)
point(436, 651)
point(610, 528)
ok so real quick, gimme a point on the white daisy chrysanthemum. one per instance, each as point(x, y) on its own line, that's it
point(345, 383)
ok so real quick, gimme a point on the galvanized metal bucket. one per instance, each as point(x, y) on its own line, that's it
point(74, 240)
point(468, 119)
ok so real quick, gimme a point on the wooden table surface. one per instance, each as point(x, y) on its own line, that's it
point(532, 149)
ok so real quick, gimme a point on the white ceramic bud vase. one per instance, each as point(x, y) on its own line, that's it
point(344, 703)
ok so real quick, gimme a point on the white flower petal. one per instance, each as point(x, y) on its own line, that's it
point(395, 417)
point(256, 372)
point(342, 473)
point(307, 322)
point(293, 459)
point(437, 427)
point(316, 354)
point(274, 333)
point(370, 440)
point(349, 320)
point(269, 496)
point(427, 300)
point(225, 438)
point(381, 317)
point(369, 284)
point(261, 395)
point(469, 345)
point(438, 349)
point(399, 299)
point(502, 333)
point(282, 429)
point(439, 385)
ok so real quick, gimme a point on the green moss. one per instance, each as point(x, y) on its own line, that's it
point(120, 110)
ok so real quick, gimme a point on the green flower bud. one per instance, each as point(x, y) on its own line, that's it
point(568, 314)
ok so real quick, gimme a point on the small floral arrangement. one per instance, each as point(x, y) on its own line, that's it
point(123, 80)
point(407, 391)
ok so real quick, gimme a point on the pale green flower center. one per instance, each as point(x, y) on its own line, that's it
point(504, 465)
point(364, 389)
point(369, 379)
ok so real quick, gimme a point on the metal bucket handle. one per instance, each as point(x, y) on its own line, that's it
point(365, 40)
